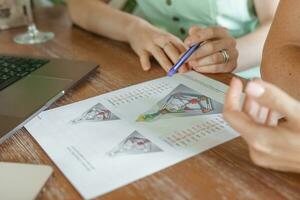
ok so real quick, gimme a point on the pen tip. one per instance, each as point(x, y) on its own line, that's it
point(170, 73)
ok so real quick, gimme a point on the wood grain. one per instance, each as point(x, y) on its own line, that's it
point(225, 172)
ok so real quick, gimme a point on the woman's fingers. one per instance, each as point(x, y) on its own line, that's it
point(243, 124)
point(200, 35)
point(161, 58)
point(216, 58)
point(194, 29)
point(171, 51)
point(262, 115)
point(213, 47)
point(251, 108)
point(237, 118)
point(166, 57)
point(174, 55)
point(216, 63)
point(217, 55)
point(181, 49)
point(270, 146)
point(274, 98)
point(218, 68)
point(173, 48)
point(272, 119)
point(178, 44)
point(145, 61)
point(233, 96)
point(165, 38)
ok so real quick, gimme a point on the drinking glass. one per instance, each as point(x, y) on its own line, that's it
point(33, 35)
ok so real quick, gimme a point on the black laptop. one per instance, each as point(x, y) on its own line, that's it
point(29, 85)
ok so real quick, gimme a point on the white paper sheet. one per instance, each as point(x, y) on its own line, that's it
point(108, 141)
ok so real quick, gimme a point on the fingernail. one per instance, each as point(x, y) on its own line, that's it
point(255, 89)
point(146, 69)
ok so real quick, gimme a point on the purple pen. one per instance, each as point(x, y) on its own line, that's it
point(184, 58)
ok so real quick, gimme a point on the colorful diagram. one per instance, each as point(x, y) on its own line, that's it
point(135, 143)
point(182, 101)
point(95, 114)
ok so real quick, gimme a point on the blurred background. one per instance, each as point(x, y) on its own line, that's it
point(47, 2)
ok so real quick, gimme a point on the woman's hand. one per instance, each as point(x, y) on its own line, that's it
point(271, 145)
point(148, 41)
point(211, 57)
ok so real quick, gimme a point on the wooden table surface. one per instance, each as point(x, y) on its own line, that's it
point(224, 172)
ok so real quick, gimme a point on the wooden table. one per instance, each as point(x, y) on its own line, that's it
point(225, 172)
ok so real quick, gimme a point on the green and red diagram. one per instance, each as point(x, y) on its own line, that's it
point(96, 113)
point(182, 101)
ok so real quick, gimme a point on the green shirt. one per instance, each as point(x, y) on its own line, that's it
point(177, 16)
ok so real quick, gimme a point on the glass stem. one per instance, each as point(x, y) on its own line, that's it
point(32, 30)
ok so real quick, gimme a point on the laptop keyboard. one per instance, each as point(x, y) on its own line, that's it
point(13, 68)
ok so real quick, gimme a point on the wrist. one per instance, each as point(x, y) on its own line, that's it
point(133, 27)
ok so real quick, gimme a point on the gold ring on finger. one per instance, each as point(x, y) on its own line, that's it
point(225, 56)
